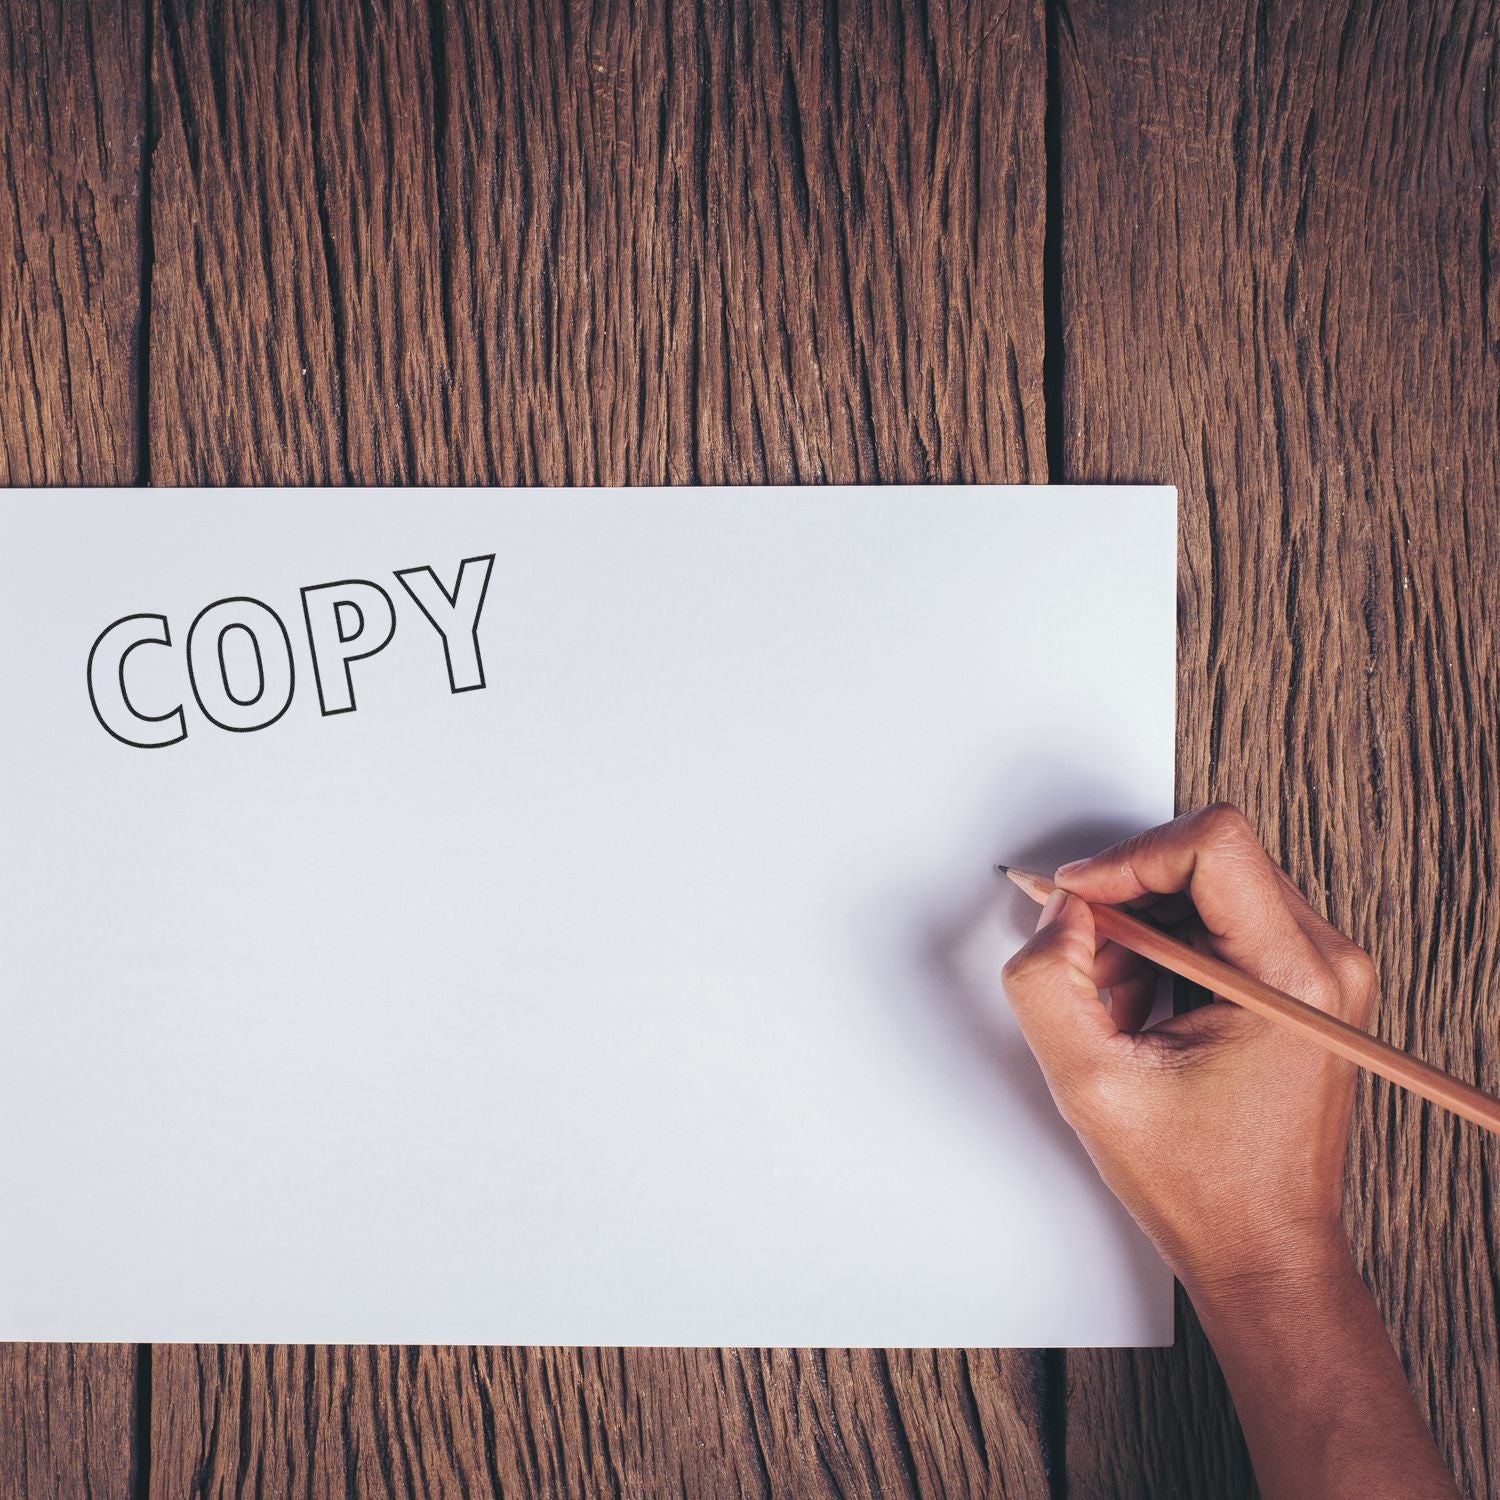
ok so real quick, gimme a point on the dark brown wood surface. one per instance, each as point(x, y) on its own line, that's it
point(1247, 249)
point(73, 115)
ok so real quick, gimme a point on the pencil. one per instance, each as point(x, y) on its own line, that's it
point(1339, 1037)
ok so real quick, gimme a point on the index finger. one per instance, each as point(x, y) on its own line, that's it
point(1240, 895)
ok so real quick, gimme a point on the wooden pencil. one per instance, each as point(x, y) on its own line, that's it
point(1306, 1020)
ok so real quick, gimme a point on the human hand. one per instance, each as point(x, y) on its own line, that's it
point(1221, 1133)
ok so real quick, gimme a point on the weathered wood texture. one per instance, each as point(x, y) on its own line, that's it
point(597, 245)
point(69, 1421)
point(443, 244)
point(71, 124)
point(1282, 292)
point(550, 1422)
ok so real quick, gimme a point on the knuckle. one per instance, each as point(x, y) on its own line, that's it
point(1321, 989)
point(1046, 960)
point(1023, 967)
point(1356, 973)
point(1226, 824)
point(1093, 1093)
point(1128, 866)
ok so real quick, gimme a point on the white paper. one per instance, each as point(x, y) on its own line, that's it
point(647, 994)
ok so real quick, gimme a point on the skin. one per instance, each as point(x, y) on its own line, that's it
point(1225, 1137)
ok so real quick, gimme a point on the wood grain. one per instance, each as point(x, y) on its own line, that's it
point(72, 117)
point(71, 122)
point(1280, 293)
point(69, 1420)
point(545, 1422)
point(596, 244)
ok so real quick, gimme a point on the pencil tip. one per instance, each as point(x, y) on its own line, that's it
point(1002, 869)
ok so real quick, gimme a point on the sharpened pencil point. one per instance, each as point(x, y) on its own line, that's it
point(1002, 869)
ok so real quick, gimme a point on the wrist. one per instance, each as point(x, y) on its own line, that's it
point(1298, 1263)
point(1320, 1393)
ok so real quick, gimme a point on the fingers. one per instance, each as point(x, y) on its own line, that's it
point(1212, 854)
point(1351, 965)
point(1114, 964)
point(1130, 981)
point(1166, 911)
point(1051, 988)
point(1131, 1000)
point(1245, 902)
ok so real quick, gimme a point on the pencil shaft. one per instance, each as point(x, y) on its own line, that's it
point(1285, 1010)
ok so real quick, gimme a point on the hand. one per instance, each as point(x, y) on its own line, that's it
point(1221, 1133)
point(1224, 1135)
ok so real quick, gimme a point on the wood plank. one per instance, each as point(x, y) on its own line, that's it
point(772, 250)
point(1280, 292)
point(69, 1420)
point(602, 244)
point(72, 116)
point(245, 378)
point(425, 246)
point(546, 1422)
point(72, 120)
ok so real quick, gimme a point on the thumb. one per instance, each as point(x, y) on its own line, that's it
point(1051, 988)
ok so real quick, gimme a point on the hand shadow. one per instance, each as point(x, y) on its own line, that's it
point(959, 953)
point(961, 948)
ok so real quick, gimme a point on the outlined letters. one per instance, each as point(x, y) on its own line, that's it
point(241, 664)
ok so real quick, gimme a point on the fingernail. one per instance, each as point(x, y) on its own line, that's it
point(1051, 907)
point(1071, 868)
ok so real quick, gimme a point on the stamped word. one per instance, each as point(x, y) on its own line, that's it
point(345, 622)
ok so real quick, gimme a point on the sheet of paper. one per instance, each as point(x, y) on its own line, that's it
point(609, 956)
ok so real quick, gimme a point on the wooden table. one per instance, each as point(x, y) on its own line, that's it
point(1253, 250)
